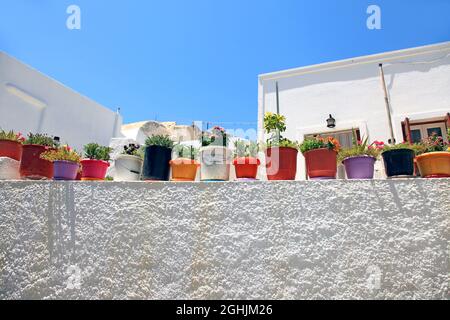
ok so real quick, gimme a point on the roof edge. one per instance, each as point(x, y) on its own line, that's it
point(385, 56)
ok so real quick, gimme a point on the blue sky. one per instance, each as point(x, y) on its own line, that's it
point(186, 60)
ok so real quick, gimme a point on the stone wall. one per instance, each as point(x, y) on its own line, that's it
point(262, 240)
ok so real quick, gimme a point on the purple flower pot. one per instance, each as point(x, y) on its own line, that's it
point(359, 167)
point(65, 170)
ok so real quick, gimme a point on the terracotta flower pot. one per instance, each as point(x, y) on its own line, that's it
point(94, 169)
point(65, 170)
point(184, 169)
point(281, 163)
point(215, 163)
point(399, 162)
point(32, 167)
point(321, 164)
point(246, 168)
point(434, 164)
point(11, 149)
point(127, 168)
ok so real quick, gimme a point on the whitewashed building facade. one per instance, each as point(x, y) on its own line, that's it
point(417, 81)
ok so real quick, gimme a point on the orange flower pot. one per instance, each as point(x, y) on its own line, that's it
point(11, 149)
point(434, 165)
point(246, 168)
point(321, 164)
point(184, 169)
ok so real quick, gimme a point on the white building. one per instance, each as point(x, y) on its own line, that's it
point(418, 84)
point(32, 102)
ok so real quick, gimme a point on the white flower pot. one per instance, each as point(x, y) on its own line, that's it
point(127, 168)
point(215, 163)
point(9, 169)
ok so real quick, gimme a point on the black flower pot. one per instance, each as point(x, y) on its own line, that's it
point(156, 163)
point(399, 162)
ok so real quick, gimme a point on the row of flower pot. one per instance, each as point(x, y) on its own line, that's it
point(41, 157)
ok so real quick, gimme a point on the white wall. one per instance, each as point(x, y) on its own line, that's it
point(32, 102)
point(418, 81)
point(262, 240)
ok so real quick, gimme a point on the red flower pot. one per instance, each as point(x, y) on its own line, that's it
point(281, 163)
point(32, 167)
point(321, 164)
point(246, 168)
point(11, 149)
point(94, 169)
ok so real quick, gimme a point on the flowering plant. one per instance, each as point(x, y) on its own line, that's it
point(361, 148)
point(318, 142)
point(217, 137)
point(11, 136)
point(133, 149)
point(64, 153)
point(434, 143)
point(418, 148)
point(275, 124)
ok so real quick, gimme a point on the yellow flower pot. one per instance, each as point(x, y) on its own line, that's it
point(434, 165)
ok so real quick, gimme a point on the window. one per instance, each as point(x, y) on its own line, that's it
point(416, 131)
point(420, 132)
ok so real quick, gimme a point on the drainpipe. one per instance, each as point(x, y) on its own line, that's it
point(388, 104)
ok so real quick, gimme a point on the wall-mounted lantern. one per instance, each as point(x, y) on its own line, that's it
point(331, 122)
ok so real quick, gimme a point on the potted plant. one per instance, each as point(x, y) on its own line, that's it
point(128, 165)
point(246, 160)
point(95, 163)
point(11, 144)
point(215, 157)
point(281, 153)
point(184, 166)
point(32, 167)
point(399, 159)
point(158, 153)
point(434, 162)
point(321, 157)
point(10, 154)
point(66, 162)
point(359, 160)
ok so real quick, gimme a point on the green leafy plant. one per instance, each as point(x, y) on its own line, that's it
point(11, 136)
point(318, 142)
point(133, 149)
point(246, 149)
point(217, 137)
point(275, 125)
point(41, 140)
point(94, 151)
point(361, 148)
point(188, 152)
point(160, 140)
point(64, 153)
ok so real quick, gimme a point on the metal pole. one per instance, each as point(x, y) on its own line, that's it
point(278, 98)
point(388, 105)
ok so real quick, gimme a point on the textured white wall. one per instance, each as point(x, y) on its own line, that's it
point(281, 240)
point(64, 113)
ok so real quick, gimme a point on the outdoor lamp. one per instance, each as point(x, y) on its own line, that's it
point(331, 122)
